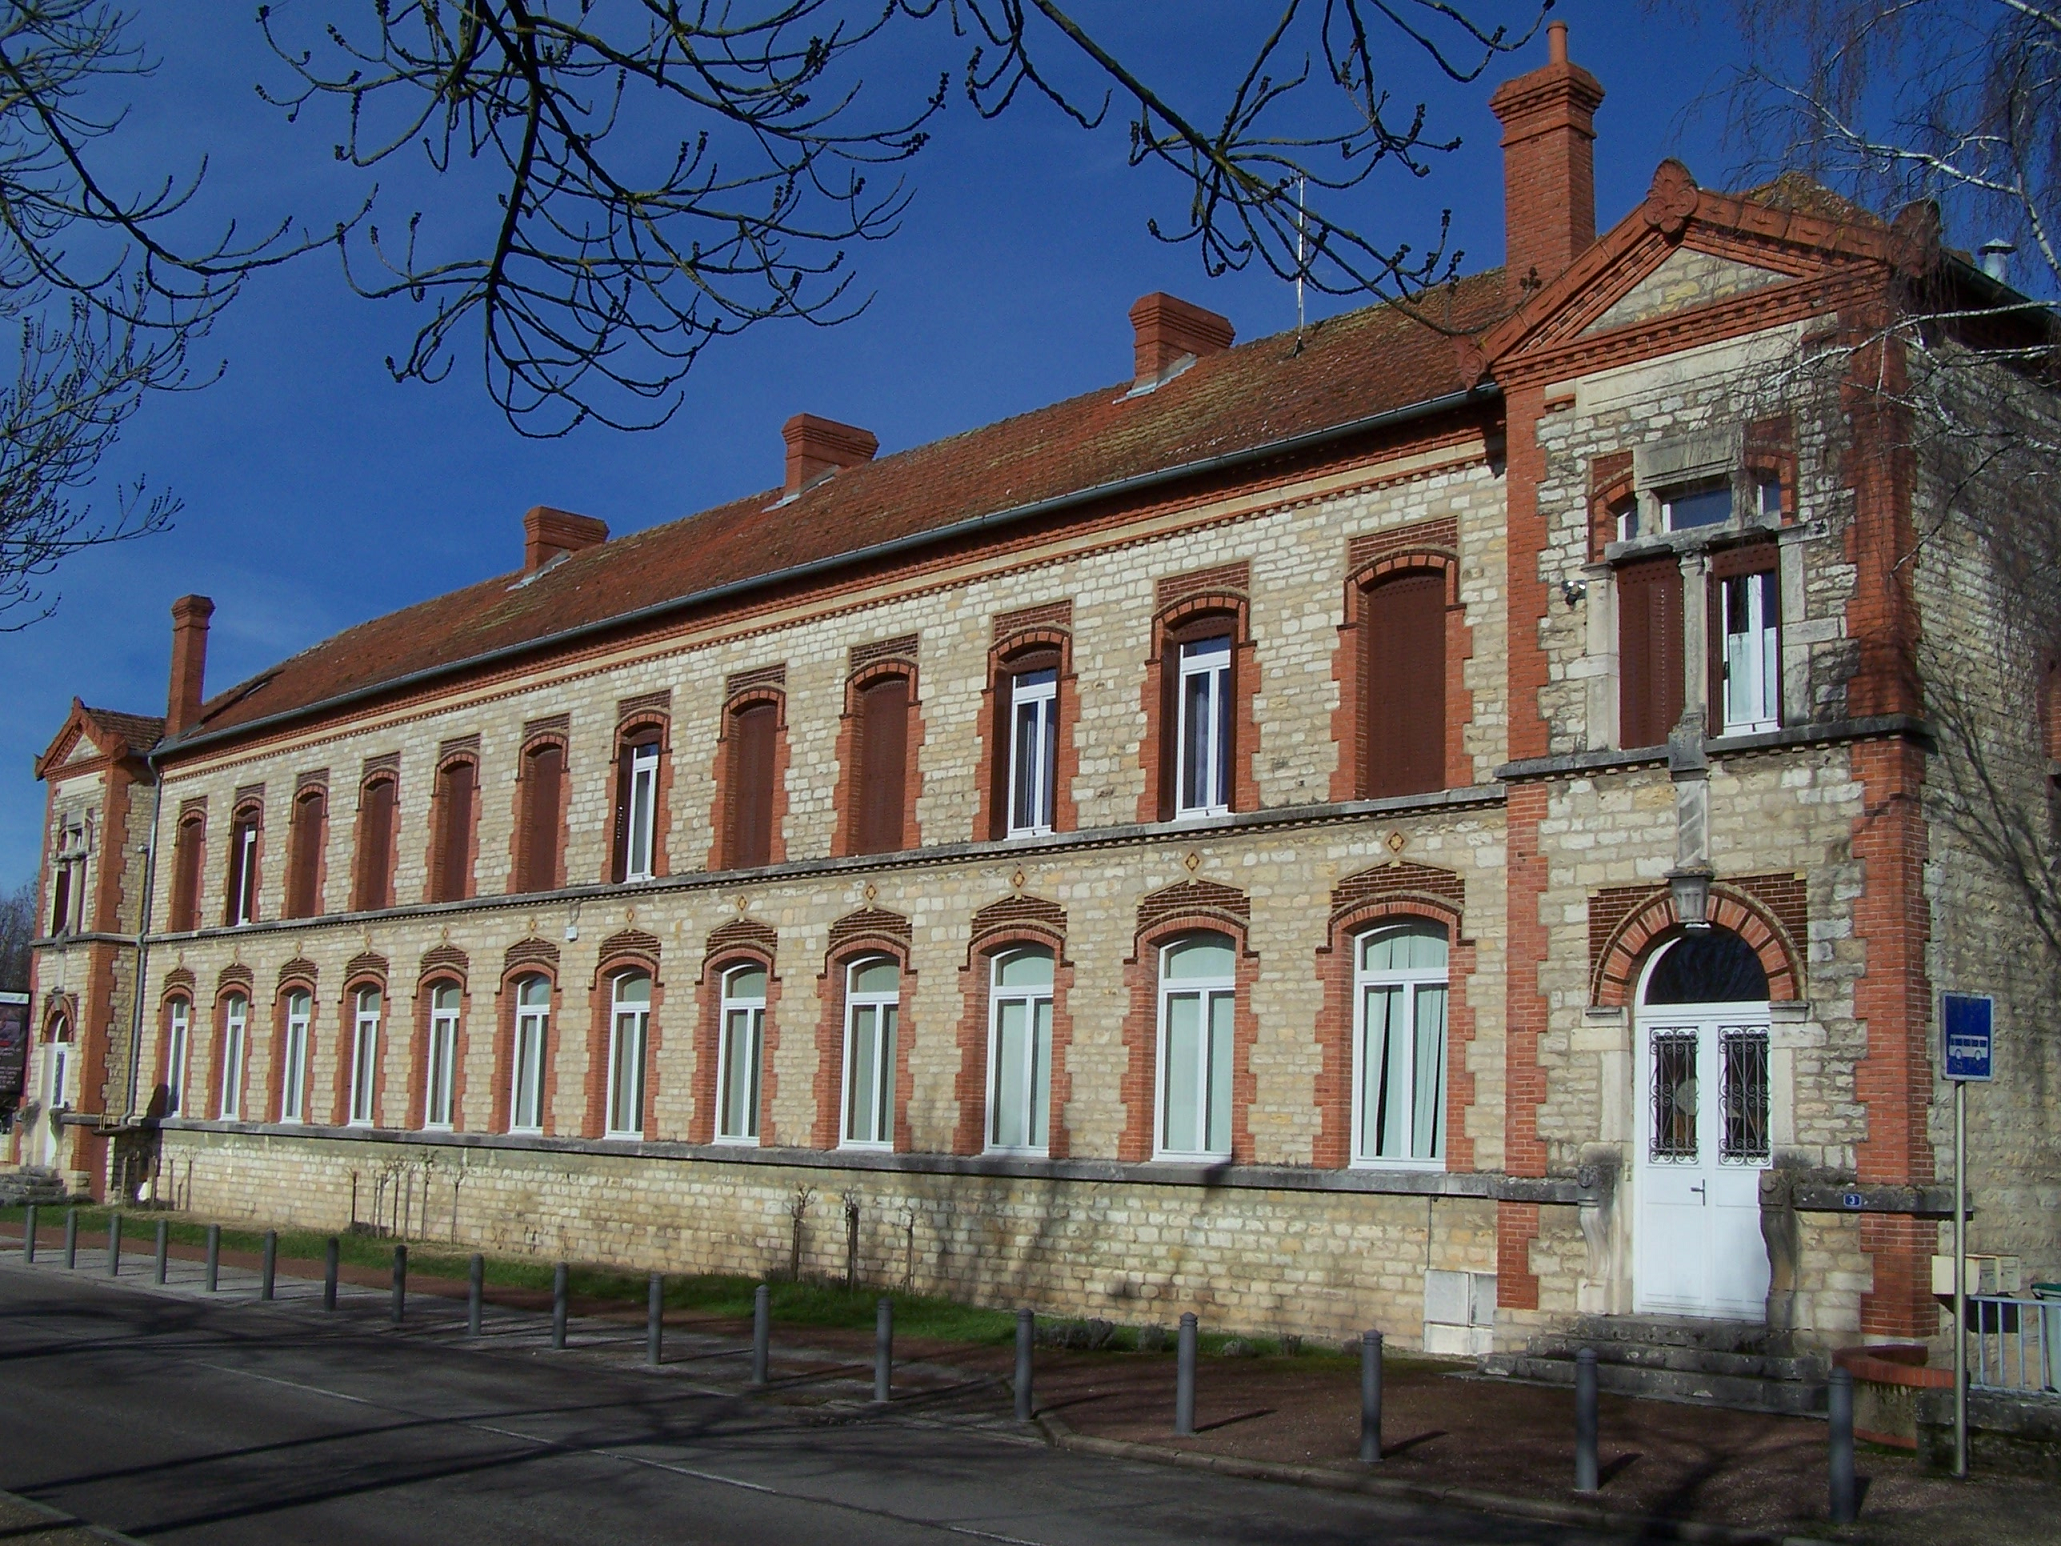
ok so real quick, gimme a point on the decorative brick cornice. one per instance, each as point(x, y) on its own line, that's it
point(299, 969)
point(367, 963)
point(870, 922)
point(530, 952)
point(741, 934)
point(443, 958)
point(1193, 898)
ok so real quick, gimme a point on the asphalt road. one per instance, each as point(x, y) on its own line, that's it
point(170, 1416)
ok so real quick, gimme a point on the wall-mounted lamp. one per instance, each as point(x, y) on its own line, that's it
point(1573, 591)
point(1691, 890)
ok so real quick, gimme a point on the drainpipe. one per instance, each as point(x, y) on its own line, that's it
point(157, 805)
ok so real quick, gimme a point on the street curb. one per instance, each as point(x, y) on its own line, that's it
point(1063, 1435)
point(59, 1519)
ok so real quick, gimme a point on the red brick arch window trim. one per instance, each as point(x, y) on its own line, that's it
point(66, 1014)
point(742, 942)
point(307, 848)
point(298, 977)
point(640, 727)
point(1655, 922)
point(1354, 721)
point(1045, 929)
point(727, 847)
point(246, 873)
point(1161, 921)
point(536, 860)
point(373, 859)
point(848, 948)
point(622, 957)
point(1335, 1024)
point(850, 833)
point(505, 1007)
point(436, 975)
point(453, 857)
point(356, 977)
point(1196, 616)
point(235, 982)
point(1026, 649)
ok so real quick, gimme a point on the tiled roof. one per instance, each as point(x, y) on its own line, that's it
point(1258, 394)
point(140, 731)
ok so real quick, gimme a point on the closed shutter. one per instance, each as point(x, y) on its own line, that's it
point(375, 844)
point(186, 876)
point(625, 763)
point(1403, 704)
point(1649, 651)
point(454, 834)
point(304, 841)
point(752, 732)
point(883, 763)
point(542, 779)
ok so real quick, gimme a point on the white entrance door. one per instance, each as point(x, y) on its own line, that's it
point(56, 1068)
point(1703, 1144)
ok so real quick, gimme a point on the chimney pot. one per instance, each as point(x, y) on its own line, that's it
point(549, 534)
point(817, 447)
point(190, 616)
point(1549, 167)
point(1167, 330)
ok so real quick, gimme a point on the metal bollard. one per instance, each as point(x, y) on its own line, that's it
point(214, 1257)
point(883, 1347)
point(558, 1291)
point(1026, 1339)
point(164, 1248)
point(270, 1269)
point(761, 1333)
point(475, 1294)
point(114, 1245)
point(329, 1274)
point(71, 1237)
point(1585, 1420)
point(400, 1282)
point(28, 1235)
point(1184, 1376)
point(1845, 1497)
point(655, 1320)
point(1370, 1395)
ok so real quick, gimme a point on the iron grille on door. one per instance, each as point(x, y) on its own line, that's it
point(1674, 1095)
point(1745, 1096)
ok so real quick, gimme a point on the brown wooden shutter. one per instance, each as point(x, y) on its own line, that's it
point(625, 761)
point(454, 833)
point(883, 763)
point(61, 902)
point(753, 729)
point(1169, 727)
point(1649, 650)
point(376, 844)
point(1403, 699)
point(186, 875)
point(1001, 749)
point(542, 781)
point(304, 844)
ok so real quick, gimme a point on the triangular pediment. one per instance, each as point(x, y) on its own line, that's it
point(1685, 279)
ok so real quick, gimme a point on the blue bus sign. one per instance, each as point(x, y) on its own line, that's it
point(1966, 1020)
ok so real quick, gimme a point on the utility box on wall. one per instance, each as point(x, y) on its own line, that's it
point(1459, 1313)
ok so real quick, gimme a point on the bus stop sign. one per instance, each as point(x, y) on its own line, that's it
point(1967, 1020)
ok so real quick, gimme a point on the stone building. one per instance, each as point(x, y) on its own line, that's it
point(1419, 824)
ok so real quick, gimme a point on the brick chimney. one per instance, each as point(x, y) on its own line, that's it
point(190, 616)
point(1549, 168)
point(817, 447)
point(1167, 330)
point(549, 534)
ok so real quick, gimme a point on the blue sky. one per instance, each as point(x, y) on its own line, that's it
point(318, 492)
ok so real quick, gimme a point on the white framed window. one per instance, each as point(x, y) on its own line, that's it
point(1708, 503)
point(243, 902)
point(293, 1074)
point(57, 1069)
point(1204, 787)
point(629, 1029)
point(178, 1038)
point(532, 1030)
point(1020, 1052)
point(1753, 651)
point(1198, 994)
point(643, 812)
point(872, 1004)
point(365, 1008)
point(235, 1032)
point(439, 1096)
point(1399, 1046)
point(743, 1044)
point(1033, 751)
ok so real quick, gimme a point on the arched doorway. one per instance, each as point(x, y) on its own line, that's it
point(1703, 1129)
point(57, 1059)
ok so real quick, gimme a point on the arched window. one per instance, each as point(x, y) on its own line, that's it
point(187, 844)
point(1403, 684)
point(542, 818)
point(1198, 992)
point(1020, 1051)
point(1026, 742)
point(872, 1005)
point(752, 734)
point(636, 805)
point(235, 1035)
point(1711, 966)
point(1399, 1079)
point(242, 889)
point(293, 1065)
point(307, 835)
point(57, 1058)
point(376, 802)
point(439, 1092)
point(366, 1005)
point(883, 764)
point(532, 1031)
point(738, 1058)
point(628, 1033)
point(178, 1050)
point(1202, 666)
point(450, 874)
